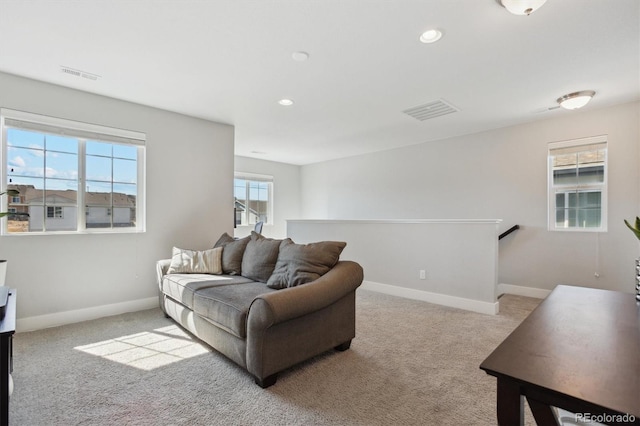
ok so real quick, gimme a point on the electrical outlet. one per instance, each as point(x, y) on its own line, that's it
point(423, 274)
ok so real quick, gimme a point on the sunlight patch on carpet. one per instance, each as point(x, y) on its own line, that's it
point(149, 349)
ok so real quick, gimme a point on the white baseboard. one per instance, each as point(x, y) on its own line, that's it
point(85, 314)
point(538, 293)
point(437, 298)
point(69, 317)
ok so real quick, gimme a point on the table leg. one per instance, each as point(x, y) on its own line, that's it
point(542, 413)
point(5, 361)
point(510, 403)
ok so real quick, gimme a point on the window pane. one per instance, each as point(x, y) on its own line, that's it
point(258, 202)
point(591, 174)
point(51, 203)
point(589, 218)
point(240, 194)
point(25, 162)
point(565, 176)
point(99, 148)
point(23, 138)
point(124, 205)
point(62, 166)
point(98, 204)
point(112, 173)
point(240, 189)
point(62, 144)
point(98, 168)
point(125, 151)
point(125, 171)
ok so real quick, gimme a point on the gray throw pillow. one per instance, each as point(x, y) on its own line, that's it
point(232, 253)
point(260, 257)
point(302, 263)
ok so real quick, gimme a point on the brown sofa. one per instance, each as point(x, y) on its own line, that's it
point(265, 330)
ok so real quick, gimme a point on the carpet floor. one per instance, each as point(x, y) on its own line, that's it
point(411, 363)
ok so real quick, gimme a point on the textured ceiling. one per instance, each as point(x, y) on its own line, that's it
point(230, 61)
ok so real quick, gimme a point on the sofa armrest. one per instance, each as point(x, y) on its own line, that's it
point(282, 305)
point(162, 266)
point(287, 326)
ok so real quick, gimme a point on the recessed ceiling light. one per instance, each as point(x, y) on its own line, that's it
point(300, 56)
point(431, 36)
point(285, 102)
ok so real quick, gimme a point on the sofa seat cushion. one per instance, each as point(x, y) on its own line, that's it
point(228, 306)
point(181, 287)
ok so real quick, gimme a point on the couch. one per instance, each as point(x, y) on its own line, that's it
point(265, 304)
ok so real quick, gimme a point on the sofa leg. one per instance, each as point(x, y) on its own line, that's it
point(267, 381)
point(344, 346)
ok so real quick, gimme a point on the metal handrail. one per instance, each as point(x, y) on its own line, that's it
point(508, 231)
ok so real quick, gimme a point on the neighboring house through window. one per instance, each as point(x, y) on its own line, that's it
point(253, 195)
point(578, 185)
point(71, 176)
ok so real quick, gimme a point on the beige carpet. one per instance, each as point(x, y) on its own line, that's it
point(411, 363)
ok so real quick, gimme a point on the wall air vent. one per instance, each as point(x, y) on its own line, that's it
point(79, 73)
point(431, 110)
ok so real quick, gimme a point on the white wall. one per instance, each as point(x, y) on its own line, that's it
point(189, 199)
point(498, 174)
point(286, 193)
point(393, 252)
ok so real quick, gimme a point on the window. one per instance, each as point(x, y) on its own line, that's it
point(578, 185)
point(54, 212)
point(73, 177)
point(253, 199)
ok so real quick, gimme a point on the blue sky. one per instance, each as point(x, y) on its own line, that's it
point(41, 160)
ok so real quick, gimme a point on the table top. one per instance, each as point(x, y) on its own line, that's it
point(581, 342)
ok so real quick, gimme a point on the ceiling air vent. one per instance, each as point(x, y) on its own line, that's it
point(79, 73)
point(431, 110)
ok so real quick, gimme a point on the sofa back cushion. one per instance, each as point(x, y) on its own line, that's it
point(260, 257)
point(302, 263)
point(232, 253)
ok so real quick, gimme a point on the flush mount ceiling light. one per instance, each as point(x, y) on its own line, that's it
point(285, 102)
point(522, 7)
point(576, 100)
point(431, 36)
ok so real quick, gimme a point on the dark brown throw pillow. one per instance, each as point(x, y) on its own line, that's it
point(232, 253)
point(302, 263)
point(260, 257)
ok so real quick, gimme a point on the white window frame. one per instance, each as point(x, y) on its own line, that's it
point(82, 131)
point(601, 187)
point(257, 178)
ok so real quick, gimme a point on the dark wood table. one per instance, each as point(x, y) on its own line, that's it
point(578, 350)
point(7, 329)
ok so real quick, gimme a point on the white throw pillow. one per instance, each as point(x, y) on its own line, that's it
point(196, 262)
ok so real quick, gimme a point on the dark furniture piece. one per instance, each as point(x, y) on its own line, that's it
point(579, 350)
point(7, 329)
